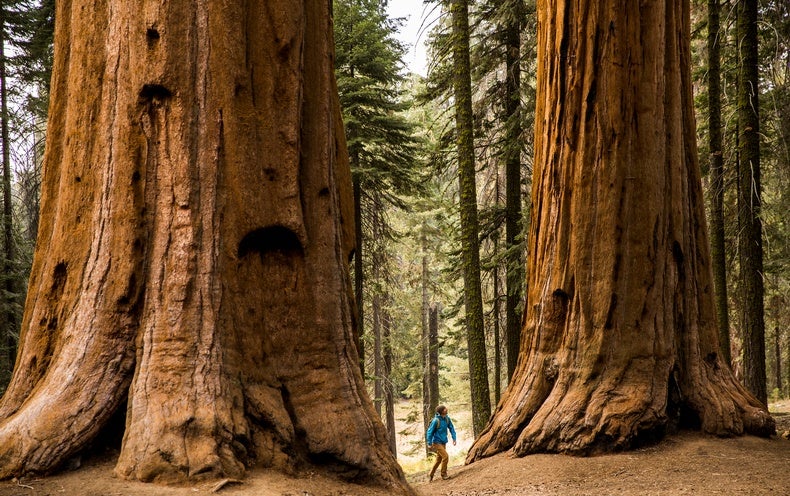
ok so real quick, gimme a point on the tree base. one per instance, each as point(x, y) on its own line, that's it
point(617, 413)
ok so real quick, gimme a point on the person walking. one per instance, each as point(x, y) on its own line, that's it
point(437, 440)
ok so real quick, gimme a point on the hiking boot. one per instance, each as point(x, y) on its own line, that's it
point(445, 476)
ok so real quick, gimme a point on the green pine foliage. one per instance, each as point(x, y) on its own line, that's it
point(30, 27)
point(386, 165)
point(370, 79)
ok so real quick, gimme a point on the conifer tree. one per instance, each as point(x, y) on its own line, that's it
point(473, 303)
point(718, 255)
point(774, 59)
point(8, 291)
point(380, 139)
point(26, 31)
point(750, 245)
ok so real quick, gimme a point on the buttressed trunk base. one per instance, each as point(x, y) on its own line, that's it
point(197, 221)
point(620, 341)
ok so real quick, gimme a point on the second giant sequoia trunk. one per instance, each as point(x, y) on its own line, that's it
point(197, 223)
point(620, 341)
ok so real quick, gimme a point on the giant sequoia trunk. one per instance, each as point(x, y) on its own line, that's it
point(192, 257)
point(620, 341)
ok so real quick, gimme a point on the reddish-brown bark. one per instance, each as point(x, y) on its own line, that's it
point(192, 257)
point(620, 339)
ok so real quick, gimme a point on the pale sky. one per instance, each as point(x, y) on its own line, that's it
point(414, 31)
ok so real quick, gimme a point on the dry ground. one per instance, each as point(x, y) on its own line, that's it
point(688, 463)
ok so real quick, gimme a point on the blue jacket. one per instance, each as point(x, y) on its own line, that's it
point(437, 431)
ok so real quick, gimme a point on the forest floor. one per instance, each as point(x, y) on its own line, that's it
point(687, 463)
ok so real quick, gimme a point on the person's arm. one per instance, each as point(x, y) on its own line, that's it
point(429, 434)
point(452, 429)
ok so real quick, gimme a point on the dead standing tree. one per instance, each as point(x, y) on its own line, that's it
point(620, 340)
point(197, 222)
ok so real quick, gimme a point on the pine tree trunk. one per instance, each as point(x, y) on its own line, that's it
point(359, 269)
point(389, 398)
point(750, 245)
point(496, 309)
point(717, 250)
point(620, 342)
point(778, 358)
point(433, 356)
point(7, 302)
point(473, 300)
point(426, 371)
point(513, 225)
point(192, 261)
point(497, 345)
point(378, 366)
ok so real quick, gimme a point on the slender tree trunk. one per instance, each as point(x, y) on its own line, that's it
point(496, 309)
point(717, 250)
point(497, 345)
point(620, 342)
point(7, 302)
point(359, 268)
point(473, 300)
point(433, 356)
point(32, 195)
point(426, 371)
point(192, 259)
point(378, 366)
point(778, 358)
point(513, 226)
point(389, 398)
point(750, 246)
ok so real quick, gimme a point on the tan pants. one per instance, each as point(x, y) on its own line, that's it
point(441, 459)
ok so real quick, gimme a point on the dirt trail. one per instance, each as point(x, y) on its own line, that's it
point(688, 463)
